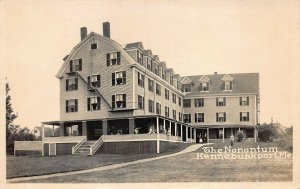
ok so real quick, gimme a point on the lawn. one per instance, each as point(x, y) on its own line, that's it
point(20, 166)
point(186, 168)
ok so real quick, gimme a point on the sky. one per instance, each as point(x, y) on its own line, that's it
point(194, 37)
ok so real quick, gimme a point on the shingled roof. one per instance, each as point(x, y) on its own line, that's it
point(242, 83)
point(134, 45)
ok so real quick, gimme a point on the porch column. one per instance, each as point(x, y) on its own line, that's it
point(239, 129)
point(181, 136)
point(53, 130)
point(170, 127)
point(195, 137)
point(164, 126)
point(223, 134)
point(157, 134)
point(104, 126)
point(84, 128)
point(255, 136)
point(43, 132)
point(61, 129)
point(186, 132)
point(207, 135)
point(131, 125)
point(176, 129)
point(191, 134)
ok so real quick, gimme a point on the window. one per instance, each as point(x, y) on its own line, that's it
point(72, 105)
point(71, 84)
point(199, 117)
point(150, 85)
point(167, 111)
point(113, 59)
point(167, 94)
point(199, 102)
point(227, 85)
point(179, 116)
point(187, 118)
point(156, 69)
point(244, 101)
point(174, 98)
point(141, 102)
point(178, 85)
point(221, 101)
point(186, 103)
point(244, 116)
point(204, 86)
point(171, 79)
point(151, 106)
point(174, 114)
point(163, 74)
point(119, 101)
point(139, 57)
point(186, 87)
point(179, 101)
point(94, 44)
point(76, 65)
point(141, 79)
point(149, 63)
point(158, 108)
point(158, 89)
point(93, 103)
point(94, 81)
point(119, 78)
point(221, 117)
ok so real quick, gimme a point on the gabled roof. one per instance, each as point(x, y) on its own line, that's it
point(227, 77)
point(242, 83)
point(156, 58)
point(204, 78)
point(136, 45)
point(147, 53)
point(86, 40)
point(186, 80)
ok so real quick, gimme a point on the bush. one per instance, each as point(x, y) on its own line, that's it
point(240, 136)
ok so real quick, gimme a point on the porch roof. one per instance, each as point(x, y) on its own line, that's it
point(225, 126)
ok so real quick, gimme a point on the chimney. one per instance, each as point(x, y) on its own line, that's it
point(106, 29)
point(83, 33)
point(216, 73)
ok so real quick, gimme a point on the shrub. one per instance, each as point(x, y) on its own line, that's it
point(240, 136)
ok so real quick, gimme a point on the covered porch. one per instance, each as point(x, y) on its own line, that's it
point(156, 129)
point(213, 134)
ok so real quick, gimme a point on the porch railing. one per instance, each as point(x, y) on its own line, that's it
point(74, 148)
point(96, 146)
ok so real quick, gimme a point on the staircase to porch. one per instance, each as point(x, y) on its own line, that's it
point(89, 148)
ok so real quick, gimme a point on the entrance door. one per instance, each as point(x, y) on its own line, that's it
point(94, 130)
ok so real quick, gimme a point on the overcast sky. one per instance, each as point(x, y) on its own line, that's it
point(193, 38)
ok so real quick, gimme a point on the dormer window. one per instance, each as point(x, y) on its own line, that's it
point(228, 85)
point(94, 81)
point(186, 87)
point(149, 64)
point(119, 78)
point(94, 103)
point(139, 57)
point(163, 74)
point(156, 69)
point(94, 44)
point(113, 59)
point(171, 79)
point(76, 65)
point(204, 86)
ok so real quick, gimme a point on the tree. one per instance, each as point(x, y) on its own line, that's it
point(14, 132)
point(10, 116)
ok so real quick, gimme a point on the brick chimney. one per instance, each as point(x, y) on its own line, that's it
point(83, 33)
point(106, 29)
